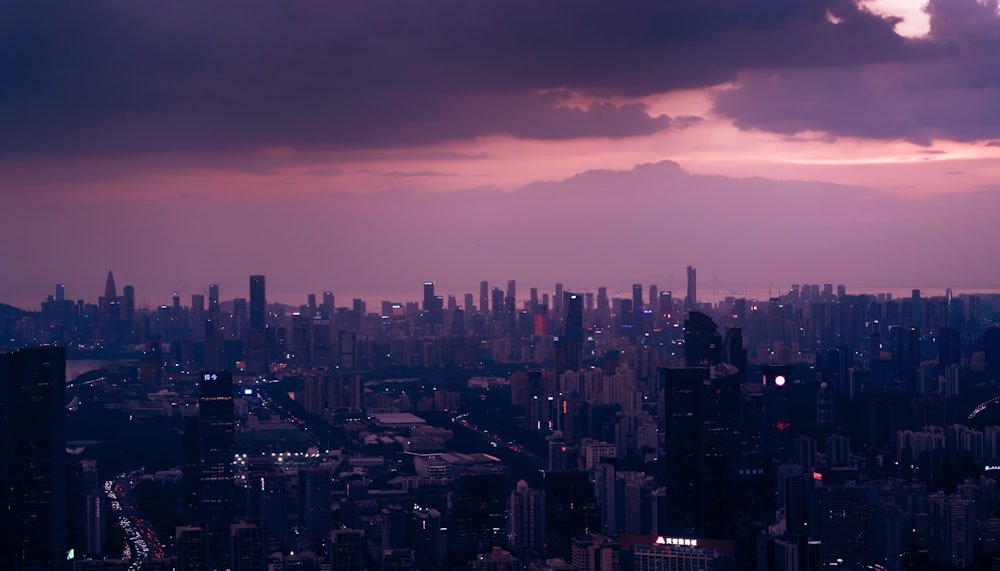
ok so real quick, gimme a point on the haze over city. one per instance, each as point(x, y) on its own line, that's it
point(367, 147)
point(500, 285)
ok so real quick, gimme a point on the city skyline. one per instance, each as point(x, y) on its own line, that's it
point(343, 148)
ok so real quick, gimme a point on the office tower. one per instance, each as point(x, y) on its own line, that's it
point(654, 298)
point(824, 407)
point(526, 527)
point(510, 305)
point(273, 509)
point(255, 337)
point(637, 304)
point(246, 547)
point(457, 322)
point(33, 480)
point(347, 550)
point(838, 364)
point(422, 533)
point(151, 364)
point(213, 304)
point(192, 548)
point(197, 309)
point(570, 509)
point(86, 509)
point(949, 346)
point(691, 300)
point(702, 342)
point(533, 301)
point(469, 305)
point(110, 291)
point(603, 306)
point(216, 490)
point(128, 306)
point(701, 439)
point(428, 296)
point(557, 307)
point(484, 298)
point(238, 329)
point(905, 352)
point(734, 353)
point(496, 309)
point(60, 293)
point(328, 308)
point(793, 497)
point(258, 304)
point(666, 307)
point(478, 517)
point(842, 516)
point(433, 306)
point(315, 497)
point(569, 345)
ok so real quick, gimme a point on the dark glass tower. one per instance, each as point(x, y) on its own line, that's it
point(570, 509)
point(702, 342)
point(479, 516)
point(691, 299)
point(215, 448)
point(216, 489)
point(33, 481)
point(258, 303)
point(701, 437)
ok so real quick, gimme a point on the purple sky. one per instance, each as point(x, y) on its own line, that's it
point(364, 147)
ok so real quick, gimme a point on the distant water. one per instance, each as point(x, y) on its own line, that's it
point(77, 367)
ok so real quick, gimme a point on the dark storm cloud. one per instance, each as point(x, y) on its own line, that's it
point(116, 75)
point(949, 89)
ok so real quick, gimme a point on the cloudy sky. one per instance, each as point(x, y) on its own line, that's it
point(366, 146)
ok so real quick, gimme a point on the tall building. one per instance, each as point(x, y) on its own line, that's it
point(701, 437)
point(246, 547)
point(702, 342)
point(526, 527)
point(510, 306)
point(479, 516)
point(484, 298)
point(86, 509)
point(258, 303)
point(569, 345)
point(691, 299)
point(256, 335)
point(347, 549)
point(33, 482)
point(315, 496)
point(191, 548)
point(842, 517)
point(216, 489)
point(570, 509)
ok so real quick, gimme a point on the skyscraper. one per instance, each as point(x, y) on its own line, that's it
point(216, 490)
point(637, 297)
point(258, 303)
point(428, 296)
point(570, 509)
point(484, 298)
point(691, 300)
point(701, 417)
point(479, 515)
point(526, 527)
point(257, 354)
point(33, 481)
point(702, 342)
